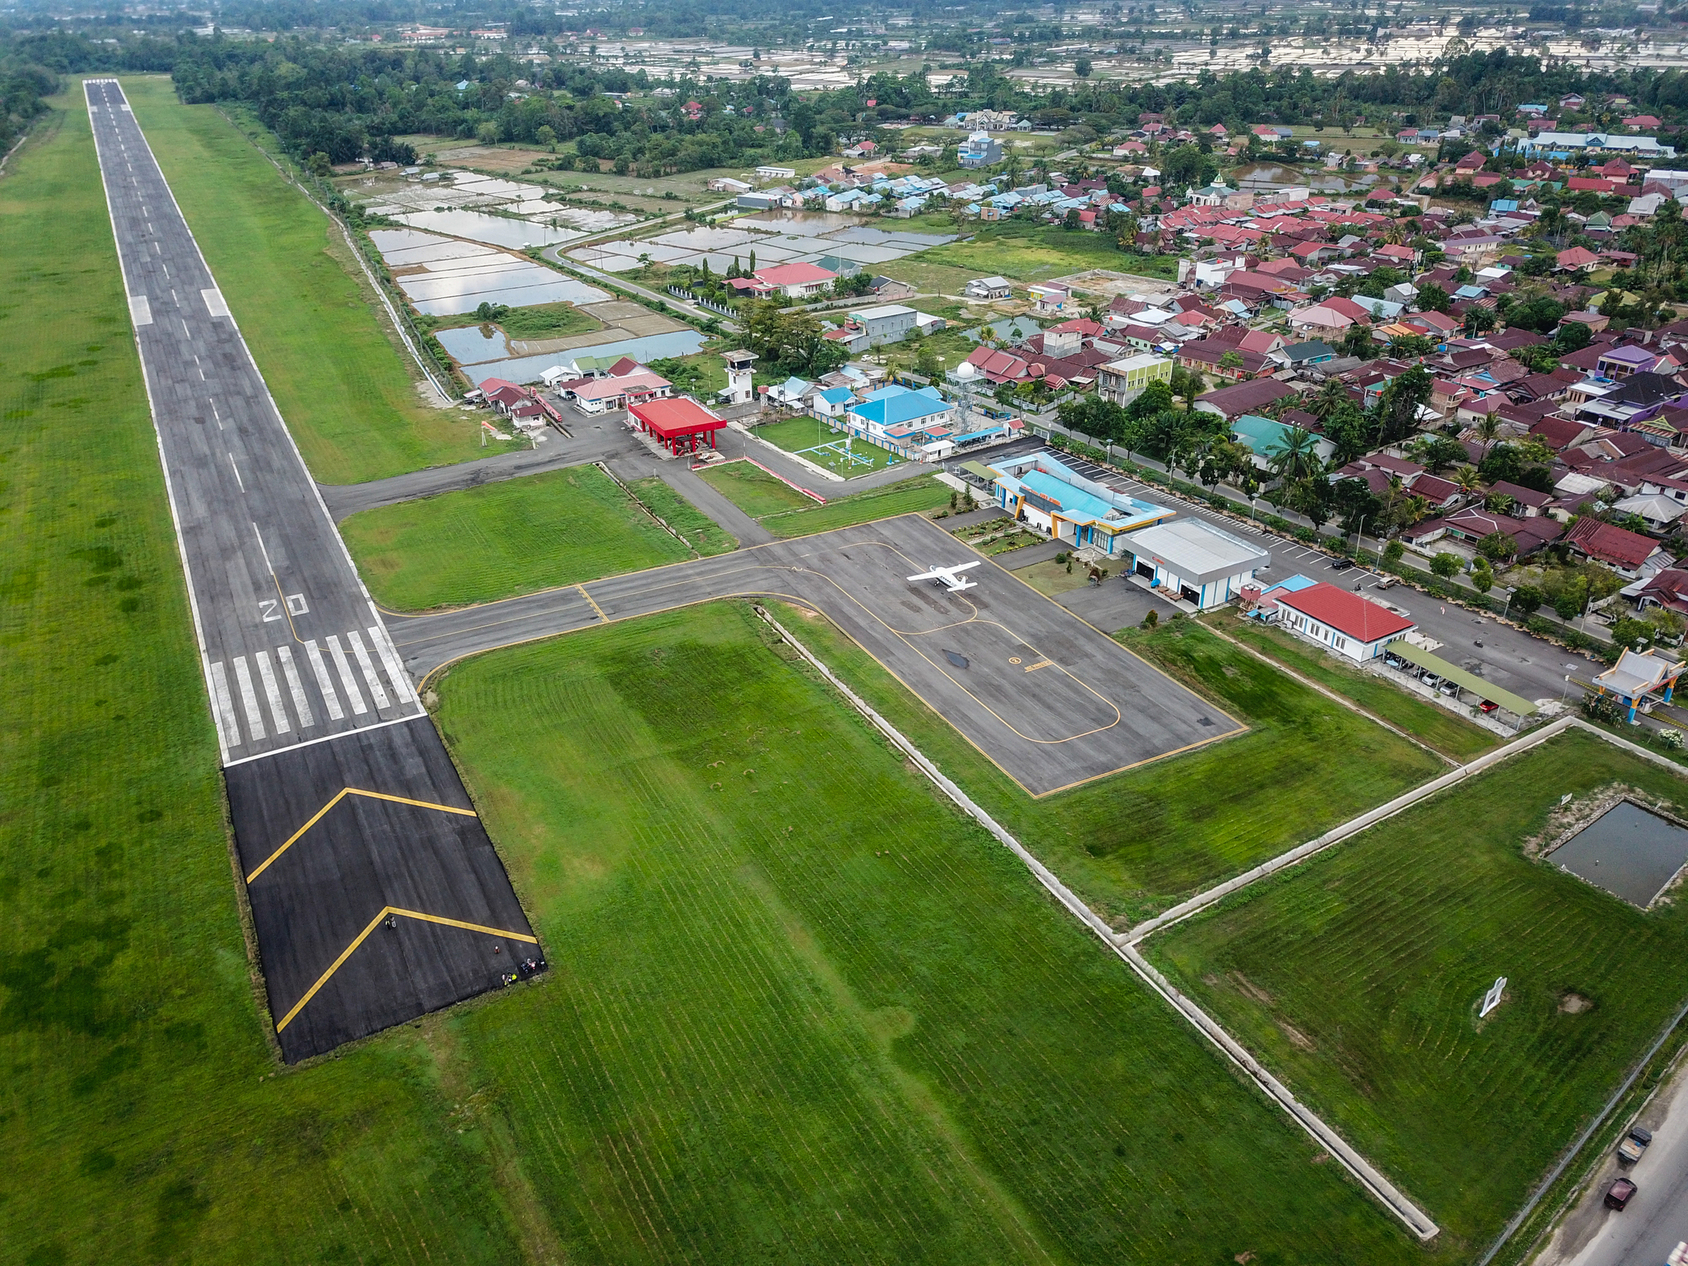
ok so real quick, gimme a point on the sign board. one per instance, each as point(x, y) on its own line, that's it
point(1491, 1000)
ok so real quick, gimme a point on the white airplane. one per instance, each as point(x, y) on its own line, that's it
point(950, 577)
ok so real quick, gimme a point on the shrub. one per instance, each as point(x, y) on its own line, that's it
point(1151, 620)
point(1604, 708)
point(1671, 740)
point(1392, 553)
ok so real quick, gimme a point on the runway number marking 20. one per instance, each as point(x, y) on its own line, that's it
point(270, 608)
point(296, 604)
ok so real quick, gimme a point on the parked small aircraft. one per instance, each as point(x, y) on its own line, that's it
point(950, 577)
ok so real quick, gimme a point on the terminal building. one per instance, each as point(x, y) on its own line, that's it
point(1193, 561)
point(1041, 491)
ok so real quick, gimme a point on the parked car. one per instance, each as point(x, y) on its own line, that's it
point(1635, 1143)
point(1620, 1193)
point(1341, 564)
point(1388, 582)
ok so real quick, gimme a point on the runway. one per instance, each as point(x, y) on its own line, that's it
point(1052, 701)
point(296, 657)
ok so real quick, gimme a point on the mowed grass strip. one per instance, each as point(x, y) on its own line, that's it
point(786, 512)
point(343, 384)
point(707, 536)
point(800, 1010)
point(516, 536)
point(753, 489)
point(1137, 842)
point(1357, 978)
point(1425, 721)
point(144, 1118)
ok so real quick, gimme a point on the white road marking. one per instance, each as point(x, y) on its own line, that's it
point(237, 478)
point(215, 302)
point(330, 699)
point(140, 311)
point(249, 699)
point(395, 666)
point(271, 692)
point(225, 718)
point(346, 678)
point(301, 705)
point(375, 690)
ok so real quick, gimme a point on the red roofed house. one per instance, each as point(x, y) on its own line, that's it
point(1344, 622)
point(1642, 120)
point(798, 281)
point(1471, 162)
point(677, 424)
point(1576, 257)
point(1619, 548)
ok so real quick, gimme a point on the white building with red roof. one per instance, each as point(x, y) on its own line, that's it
point(1341, 621)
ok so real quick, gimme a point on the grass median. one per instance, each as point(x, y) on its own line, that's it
point(342, 382)
point(801, 1010)
point(144, 1116)
point(480, 544)
point(1137, 842)
point(1357, 977)
point(824, 446)
point(786, 512)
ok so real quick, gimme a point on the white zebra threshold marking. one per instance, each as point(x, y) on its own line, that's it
point(249, 699)
point(383, 644)
point(369, 673)
point(226, 719)
point(346, 679)
point(330, 699)
point(278, 710)
point(301, 705)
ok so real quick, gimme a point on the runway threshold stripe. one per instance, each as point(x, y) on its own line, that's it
point(375, 923)
point(395, 666)
point(249, 699)
point(272, 692)
point(376, 692)
point(340, 795)
point(226, 720)
point(301, 705)
point(344, 668)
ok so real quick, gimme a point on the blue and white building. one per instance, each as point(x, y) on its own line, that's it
point(1043, 492)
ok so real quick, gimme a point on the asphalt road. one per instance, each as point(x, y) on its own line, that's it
point(1495, 651)
point(1656, 1220)
point(1050, 699)
point(346, 808)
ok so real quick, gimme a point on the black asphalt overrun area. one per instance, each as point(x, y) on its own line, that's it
point(362, 856)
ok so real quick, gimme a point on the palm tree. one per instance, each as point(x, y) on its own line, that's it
point(1467, 480)
point(1294, 454)
point(1487, 428)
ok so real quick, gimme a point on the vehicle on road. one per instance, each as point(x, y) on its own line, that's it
point(1388, 582)
point(1634, 1143)
point(1619, 1194)
point(1341, 564)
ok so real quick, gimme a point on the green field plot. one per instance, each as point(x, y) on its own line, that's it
point(345, 386)
point(1133, 844)
point(706, 536)
point(1357, 978)
point(799, 1010)
point(753, 489)
point(543, 320)
point(817, 442)
point(1422, 719)
point(786, 512)
point(1051, 578)
point(557, 528)
point(1030, 252)
point(143, 1117)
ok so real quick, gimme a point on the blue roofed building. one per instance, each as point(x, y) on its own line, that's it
point(915, 424)
point(1043, 492)
point(832, 403)
point(1262, 436)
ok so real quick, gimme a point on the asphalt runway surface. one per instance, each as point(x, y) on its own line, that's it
point(1051, 700)
point(326, 862)
point(298, 663)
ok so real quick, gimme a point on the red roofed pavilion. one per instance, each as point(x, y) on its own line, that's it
point(678, 424)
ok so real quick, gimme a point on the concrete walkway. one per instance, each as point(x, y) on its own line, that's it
point(685, 481)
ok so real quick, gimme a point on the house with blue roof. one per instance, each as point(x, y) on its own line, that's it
point(1261, 436)
point(905, 420)
point(832, 403)
point(1042, 491)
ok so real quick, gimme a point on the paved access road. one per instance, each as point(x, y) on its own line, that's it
point(347, 811)
point(1047, 697)
point(1656, 1220)
point(291, 646)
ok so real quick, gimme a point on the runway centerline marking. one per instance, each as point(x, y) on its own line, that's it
point(338, 797)
point(375, 923)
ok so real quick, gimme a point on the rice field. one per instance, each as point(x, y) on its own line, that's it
point(801, 1011)
point(1357, 977)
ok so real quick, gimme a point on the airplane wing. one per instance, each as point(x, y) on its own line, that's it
point(934, 574)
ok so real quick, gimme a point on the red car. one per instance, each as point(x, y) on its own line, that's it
point(1619, 1193)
